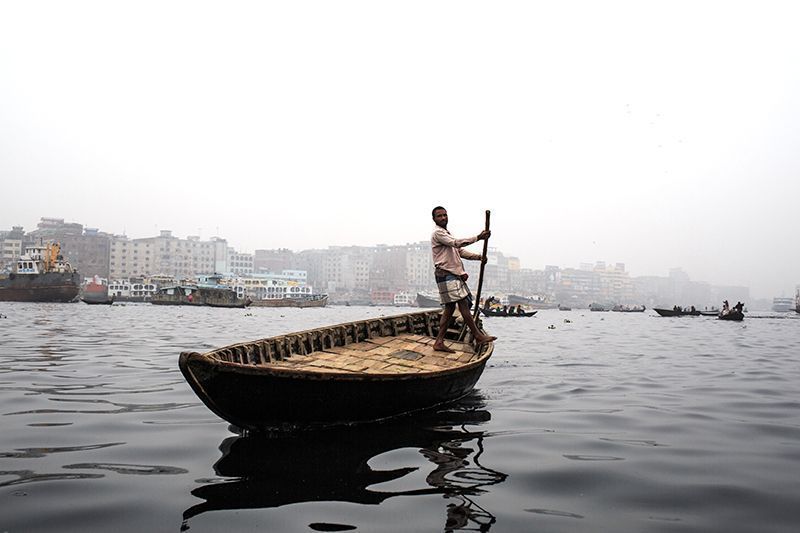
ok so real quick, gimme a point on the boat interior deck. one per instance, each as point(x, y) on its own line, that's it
point(404, 354)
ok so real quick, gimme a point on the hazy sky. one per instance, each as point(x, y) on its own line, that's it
point(658, 134)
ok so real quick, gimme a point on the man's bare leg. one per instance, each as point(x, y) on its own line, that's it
point(480, 338)
point(447, 314)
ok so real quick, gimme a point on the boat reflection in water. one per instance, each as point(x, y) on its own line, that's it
point(333, 465)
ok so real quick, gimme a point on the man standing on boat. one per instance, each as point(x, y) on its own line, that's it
point(451, 278)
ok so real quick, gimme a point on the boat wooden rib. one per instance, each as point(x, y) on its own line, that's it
point(348, 373)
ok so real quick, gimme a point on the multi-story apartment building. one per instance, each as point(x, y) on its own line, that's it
point(419, 267)
point(11, 245)
point(87, 250)
point(166, 255)
point(266, 261)
point(239, 263)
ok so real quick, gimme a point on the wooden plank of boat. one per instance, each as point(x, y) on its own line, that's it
point(347, 373)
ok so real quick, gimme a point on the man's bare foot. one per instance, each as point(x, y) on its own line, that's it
point(442, 348)
point(484, 339)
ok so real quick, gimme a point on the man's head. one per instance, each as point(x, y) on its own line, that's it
point(439, 214)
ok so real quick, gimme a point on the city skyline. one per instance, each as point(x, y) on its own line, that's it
point(623, 131)
point(596, 265)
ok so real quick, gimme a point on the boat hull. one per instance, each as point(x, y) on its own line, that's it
point(270, 400)
point(492, 312)
point(343, 374)
point(45, 287)
point(292, 302)
point(736, 316)
point(672, 312)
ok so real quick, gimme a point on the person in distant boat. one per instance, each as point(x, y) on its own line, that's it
point(520, 311)
point(451, 278)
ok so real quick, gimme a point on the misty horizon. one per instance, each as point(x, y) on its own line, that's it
point(507, 253)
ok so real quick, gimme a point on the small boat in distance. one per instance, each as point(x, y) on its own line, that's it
point(628, 308)
point(677, 311)
point(598, 307)
point(359, 371)
point(506, 312)
point(312, 300)
point(735, 313)
point(426, 300)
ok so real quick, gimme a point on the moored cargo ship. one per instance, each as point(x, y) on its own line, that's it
point(40, 275)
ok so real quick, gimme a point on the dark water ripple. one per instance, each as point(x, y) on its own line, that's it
point(581, 422)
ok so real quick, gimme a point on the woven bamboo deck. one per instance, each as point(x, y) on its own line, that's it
point(404, 354)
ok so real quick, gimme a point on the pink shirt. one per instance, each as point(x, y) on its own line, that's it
point(447, 251)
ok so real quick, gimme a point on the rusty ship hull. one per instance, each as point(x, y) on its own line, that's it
point(44, 287)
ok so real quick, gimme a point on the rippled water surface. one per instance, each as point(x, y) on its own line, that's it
point(581, 422)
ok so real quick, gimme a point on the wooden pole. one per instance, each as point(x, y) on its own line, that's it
point(462, 334)
point(483, 265)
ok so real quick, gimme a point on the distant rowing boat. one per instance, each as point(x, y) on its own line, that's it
point(500, 312)
point(676, 312)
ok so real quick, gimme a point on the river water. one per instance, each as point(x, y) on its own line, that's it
point(581, 422)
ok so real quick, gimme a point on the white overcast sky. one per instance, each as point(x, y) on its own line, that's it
point(658, 134)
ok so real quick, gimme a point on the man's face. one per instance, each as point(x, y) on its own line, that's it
point(440, 218)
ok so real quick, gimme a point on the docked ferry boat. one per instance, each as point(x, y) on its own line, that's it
point(133, 290)
point(783, 304)
point(41, 274)
point(210, 293)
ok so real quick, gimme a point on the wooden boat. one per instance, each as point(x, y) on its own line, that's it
point(348, 373)
point(94, 301)
point(425, 300)
point(316, 300)
point(500, 312)
point(629, 308)
point(733, 314)
point(675, 312)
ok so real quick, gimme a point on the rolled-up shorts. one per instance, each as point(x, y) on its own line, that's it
point(453, 289)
